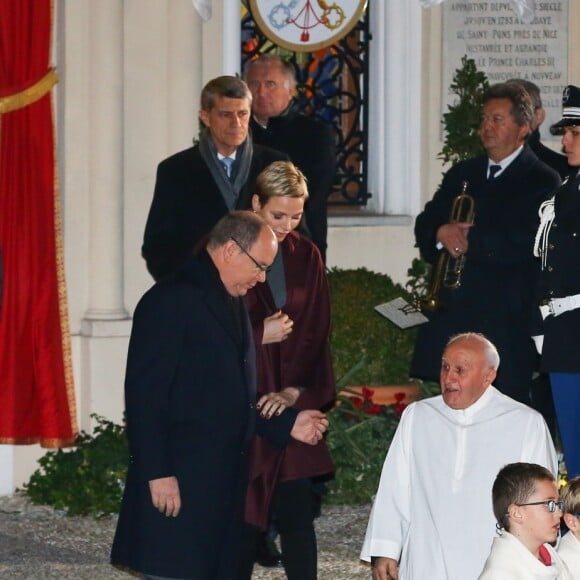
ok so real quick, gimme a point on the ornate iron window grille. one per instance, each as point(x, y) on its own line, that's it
point(332, 84)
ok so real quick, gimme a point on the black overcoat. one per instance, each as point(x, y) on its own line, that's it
point(187, 203)
point(556, 161)
point(190, 404)
point(310, 143)
point(560, 278)
point(497, 289)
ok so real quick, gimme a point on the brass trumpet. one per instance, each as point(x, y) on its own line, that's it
point(448, 271)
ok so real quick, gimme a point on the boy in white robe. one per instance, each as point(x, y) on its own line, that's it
point(432, 516)
point(569, 547)
point(528, 511)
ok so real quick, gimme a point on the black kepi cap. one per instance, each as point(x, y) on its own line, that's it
point(570, 110)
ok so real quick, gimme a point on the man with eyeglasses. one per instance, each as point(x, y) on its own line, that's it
point(259, 267)
point(432, 516)
point(196, 187)
point(190, 397)
point(496, 292)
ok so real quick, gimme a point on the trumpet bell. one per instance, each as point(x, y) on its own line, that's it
point(429, 305)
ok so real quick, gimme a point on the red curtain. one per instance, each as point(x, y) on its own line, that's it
point(36, 387)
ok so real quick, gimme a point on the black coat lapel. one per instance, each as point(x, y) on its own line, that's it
point(202, 273)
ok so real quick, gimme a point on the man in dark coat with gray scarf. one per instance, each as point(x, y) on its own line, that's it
point(496, 293)
point(190, 396)
point(193, 189)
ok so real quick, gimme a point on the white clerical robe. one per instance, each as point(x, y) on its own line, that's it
point(511, 560)
point(433, 508)
point(569, 550)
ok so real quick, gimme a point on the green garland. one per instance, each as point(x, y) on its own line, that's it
point(88, 479)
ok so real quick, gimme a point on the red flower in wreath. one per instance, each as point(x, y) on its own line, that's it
point(367, 393)
point(357, 402)
point(373, 409)
point(399, 405)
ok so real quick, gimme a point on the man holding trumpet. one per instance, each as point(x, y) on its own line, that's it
point(493, 291)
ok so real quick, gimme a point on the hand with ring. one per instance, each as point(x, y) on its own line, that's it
point(454, 237)
point(276, 403)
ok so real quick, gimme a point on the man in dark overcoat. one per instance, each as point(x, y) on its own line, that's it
point(555, 160)
point(496, 293)
point(196, 187)
point(190, 397)
point(308, 141)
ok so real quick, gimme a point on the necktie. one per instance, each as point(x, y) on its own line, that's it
point(493, 169)
point(227, 162)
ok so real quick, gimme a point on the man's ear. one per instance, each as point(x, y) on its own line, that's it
point(490, 376)
point(572, 522)
point(524, 131)
point(539, 116)
point(229, 250)
point(204, 117)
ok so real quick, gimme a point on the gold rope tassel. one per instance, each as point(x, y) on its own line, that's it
point(29, 95)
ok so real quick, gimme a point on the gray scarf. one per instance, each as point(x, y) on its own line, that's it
point(241, 168)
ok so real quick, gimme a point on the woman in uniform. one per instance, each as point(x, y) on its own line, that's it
point(557, 244)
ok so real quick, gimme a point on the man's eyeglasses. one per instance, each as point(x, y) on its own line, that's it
point(260, 267)
point(551, 504)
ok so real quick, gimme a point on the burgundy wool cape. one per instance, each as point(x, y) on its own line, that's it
point(303, 360)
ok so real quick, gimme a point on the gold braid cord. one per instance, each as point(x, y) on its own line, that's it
point(28, 95)
point(64, 319)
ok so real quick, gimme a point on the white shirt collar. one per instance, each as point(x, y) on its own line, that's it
point(504, 163)
point(232, 156)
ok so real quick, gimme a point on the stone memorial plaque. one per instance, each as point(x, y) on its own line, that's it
point(504, 47)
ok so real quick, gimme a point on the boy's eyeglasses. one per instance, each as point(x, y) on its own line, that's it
point(551, 504)
point(260, 267)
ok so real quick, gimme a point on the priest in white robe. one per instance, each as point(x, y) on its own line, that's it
point(432, 516)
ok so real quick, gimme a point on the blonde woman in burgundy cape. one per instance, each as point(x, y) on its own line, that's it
point(290, 317)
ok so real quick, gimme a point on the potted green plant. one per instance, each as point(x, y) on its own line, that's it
point(463, 118)
point(85, 480)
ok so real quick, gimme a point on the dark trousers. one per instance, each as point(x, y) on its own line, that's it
point(541, 400)
point(149, 577)
point(294, 505)
point(566, 393)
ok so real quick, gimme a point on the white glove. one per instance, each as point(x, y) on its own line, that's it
point(539, 342)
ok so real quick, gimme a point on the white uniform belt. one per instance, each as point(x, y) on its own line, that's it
point(557, 306)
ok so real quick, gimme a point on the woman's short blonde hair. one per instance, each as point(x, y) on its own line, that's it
point(281, 178)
